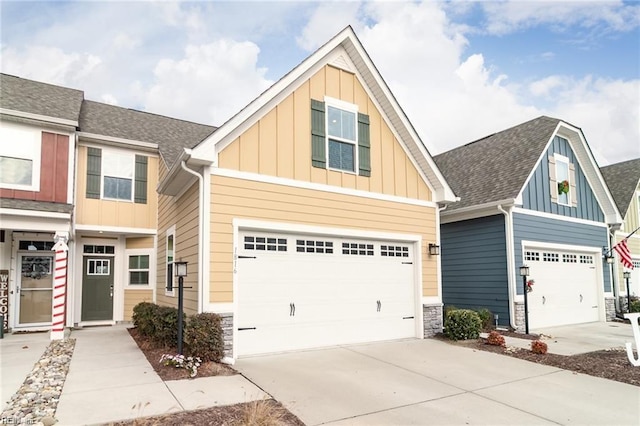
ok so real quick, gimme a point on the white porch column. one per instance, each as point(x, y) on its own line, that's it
point(59, 299)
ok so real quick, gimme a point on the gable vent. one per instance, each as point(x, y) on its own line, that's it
point(341, 62)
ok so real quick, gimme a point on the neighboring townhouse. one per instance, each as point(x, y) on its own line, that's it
point(623, 180)
point(37, 136)
point(85, 172)
point(308, 218)
point(120, 152)
point(530, 195)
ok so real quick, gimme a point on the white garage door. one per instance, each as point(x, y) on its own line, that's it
point(301, 291)
point(565, 289)
point(634, 280)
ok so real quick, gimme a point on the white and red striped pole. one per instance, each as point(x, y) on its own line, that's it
point(59, 299)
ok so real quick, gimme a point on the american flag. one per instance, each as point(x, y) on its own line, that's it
point(625, 255)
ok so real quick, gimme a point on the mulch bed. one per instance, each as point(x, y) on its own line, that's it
point(610, 364)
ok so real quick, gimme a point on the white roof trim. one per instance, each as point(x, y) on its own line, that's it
point(381, 93)
point(110, 140)
point(39, 117)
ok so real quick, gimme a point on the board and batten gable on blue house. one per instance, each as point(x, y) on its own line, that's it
point(531, 194)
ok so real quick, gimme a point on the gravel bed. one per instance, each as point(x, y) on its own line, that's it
point(36, 401)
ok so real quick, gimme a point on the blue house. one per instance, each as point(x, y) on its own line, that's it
point(530, 195)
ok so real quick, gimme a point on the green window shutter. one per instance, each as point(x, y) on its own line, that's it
point(94, 169)
point(553, 184)
point(318, 141)
point(140, 190)
point(364, 146)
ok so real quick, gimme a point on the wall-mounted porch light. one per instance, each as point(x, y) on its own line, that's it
point(434, 249)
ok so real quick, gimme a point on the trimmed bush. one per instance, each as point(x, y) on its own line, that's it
point(634, 304)
point(462, 324)
point(496, 339)
point(203, 337)
point(538, 347)
point(486, 317)
point(165, 325)
point(143, 316)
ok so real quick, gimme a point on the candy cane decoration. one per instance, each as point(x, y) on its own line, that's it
point(59, 289)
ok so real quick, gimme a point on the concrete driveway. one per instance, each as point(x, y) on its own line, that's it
point(429, 382)
point(583, 338)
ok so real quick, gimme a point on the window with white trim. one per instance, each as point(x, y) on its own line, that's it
point(139, 269)
point(584, 258)
point(562, 175)
point(98, 266)
point(170, 257)
point(342, 141)
point(117, 175)
point(359, 249)
point(533, 256)
point(550, 257)
point(398, 251)
point(569, 258)
point(20, 158)
point(313, 246)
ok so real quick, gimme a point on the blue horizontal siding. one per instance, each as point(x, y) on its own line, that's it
point(474, 265)
point(537, 193)
point(557, 231)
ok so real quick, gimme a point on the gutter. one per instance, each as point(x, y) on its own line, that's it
point(183, 165)
point(511, 271)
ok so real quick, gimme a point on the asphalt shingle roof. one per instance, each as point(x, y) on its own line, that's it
point(33, 97)
point(171, 135)
point(496, 167)
point(10, 203)
point(622, 180)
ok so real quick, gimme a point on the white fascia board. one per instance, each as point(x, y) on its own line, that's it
point(165, 186)
point(116, 230)
point(473, 212)
point(33, 213)
point(558, 217)
point(120, 142)
point(38, 117)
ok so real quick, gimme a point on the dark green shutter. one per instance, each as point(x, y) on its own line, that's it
point(318, 142)
point(140, 190)
point(94, 168)
point(364, 146)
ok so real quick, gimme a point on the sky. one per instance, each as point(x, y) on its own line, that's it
point(461, 70)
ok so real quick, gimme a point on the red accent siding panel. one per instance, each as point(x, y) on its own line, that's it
point(62, 169)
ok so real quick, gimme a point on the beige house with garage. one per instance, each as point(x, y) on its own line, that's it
point(307, 219)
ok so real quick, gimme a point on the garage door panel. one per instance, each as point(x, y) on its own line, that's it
point(565, 289)
point(333, 291)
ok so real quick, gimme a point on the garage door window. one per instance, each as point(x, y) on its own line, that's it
point(569, 258)
point(550, 257)
point(532, 256)
point(313, 246)
point(265, 243)
point(586, 259)
point(358, 249)
point(397, 251)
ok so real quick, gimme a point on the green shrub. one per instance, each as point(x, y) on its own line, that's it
point(165, 323)
point(462, 324)
point(203, 337)
point(143, 316)
point(634, 304)
point(448, 308)
point(486, 316)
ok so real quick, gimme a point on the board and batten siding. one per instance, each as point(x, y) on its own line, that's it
point(237, 198)
point(537, 193)
point(557, 231)
point(181, 212)
point(632, 215)
point(474, 265)
point(279, 144)
point(127, 214)
point(132, 298)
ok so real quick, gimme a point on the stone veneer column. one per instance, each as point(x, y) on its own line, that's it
point(610, 308)
point(227, 333)
point(520, 317)
point(432, 319)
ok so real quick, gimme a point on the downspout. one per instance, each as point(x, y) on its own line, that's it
point(183, 164)
point(511, 268)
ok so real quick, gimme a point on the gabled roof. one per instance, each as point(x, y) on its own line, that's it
point(622, 179)
point(495, 170)
point(171, 135)
point(346, 41)
point(496, 167)
point(41, 99)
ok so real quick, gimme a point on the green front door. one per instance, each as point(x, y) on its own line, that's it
point(97, 288)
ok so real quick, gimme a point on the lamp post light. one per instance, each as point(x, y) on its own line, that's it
point(524, 272)
point(627, 275)
point(181, 272)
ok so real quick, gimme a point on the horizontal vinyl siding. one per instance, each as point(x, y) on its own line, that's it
point(537, 193)
point(634, 247)
point(132, 298)
point(534, 228)
point(474, 265)
point(183, 213)
point(235, 198)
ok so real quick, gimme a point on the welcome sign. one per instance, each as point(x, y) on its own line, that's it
point(4, 297)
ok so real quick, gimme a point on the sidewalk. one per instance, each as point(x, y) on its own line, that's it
point(110, 380)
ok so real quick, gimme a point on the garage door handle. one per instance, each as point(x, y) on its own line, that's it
point(580, 298)
point(246, 328)
point(544, 300)
point(379, 305)
point(292, 309)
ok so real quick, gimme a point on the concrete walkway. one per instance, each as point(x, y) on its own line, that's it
point(110, 379)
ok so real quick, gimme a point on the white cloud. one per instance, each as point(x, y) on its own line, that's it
point(209, 84)
point(325, 22)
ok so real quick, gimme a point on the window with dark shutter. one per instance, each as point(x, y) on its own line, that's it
point(140, 191)
point(94, 165)
point(318, 145)
point(364, 146)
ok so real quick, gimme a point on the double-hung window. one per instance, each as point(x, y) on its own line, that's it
point(170, 257)
point(20, 158)
point(116, 175)
point(562, 176)
point(342, 130)
point(139, 270)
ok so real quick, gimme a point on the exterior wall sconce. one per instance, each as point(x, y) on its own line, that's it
point(434, 249)
point(608, 256)
point(524, 272)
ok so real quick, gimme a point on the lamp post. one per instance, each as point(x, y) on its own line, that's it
point(524, 272)
point(181, 272)
point(627, 275)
